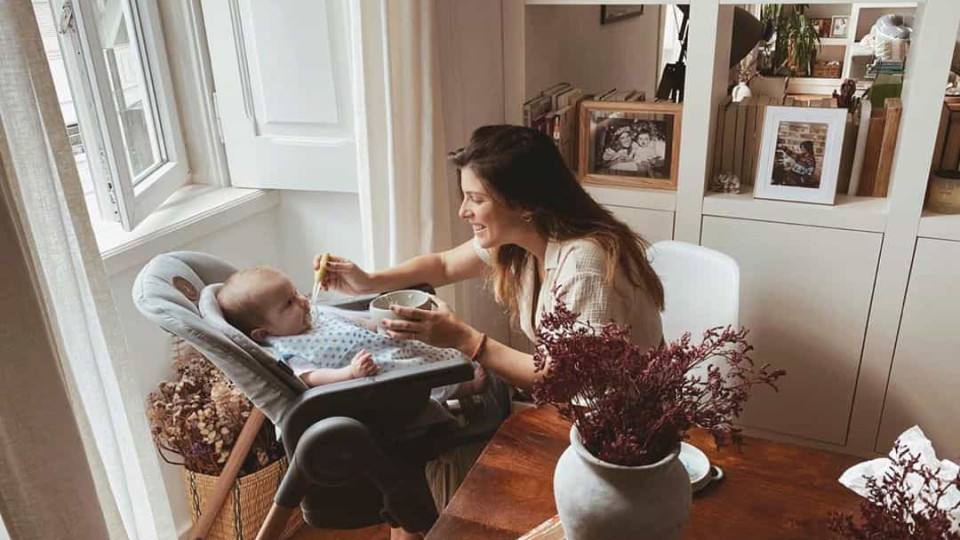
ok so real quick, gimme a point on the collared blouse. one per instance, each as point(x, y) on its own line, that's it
point(575, 275)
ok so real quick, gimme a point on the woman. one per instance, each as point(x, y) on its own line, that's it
point(540, 237)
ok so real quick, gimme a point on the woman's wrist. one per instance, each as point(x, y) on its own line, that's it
point(470, 340)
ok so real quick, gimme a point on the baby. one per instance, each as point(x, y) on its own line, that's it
point(263, 304)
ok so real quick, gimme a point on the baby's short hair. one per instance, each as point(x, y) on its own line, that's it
point(240, 304)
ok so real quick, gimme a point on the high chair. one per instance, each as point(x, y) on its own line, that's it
point(356, 449)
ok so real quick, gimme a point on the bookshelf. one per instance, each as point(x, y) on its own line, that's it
point(848, 370)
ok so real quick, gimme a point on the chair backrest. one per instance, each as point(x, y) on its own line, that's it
point(168, 292)
point(701, 288)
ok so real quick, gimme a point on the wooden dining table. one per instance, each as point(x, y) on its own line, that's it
point(770, 490)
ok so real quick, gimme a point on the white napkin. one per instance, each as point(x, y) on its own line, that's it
point(855, 478)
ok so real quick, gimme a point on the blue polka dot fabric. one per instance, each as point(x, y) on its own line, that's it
point(334, 341)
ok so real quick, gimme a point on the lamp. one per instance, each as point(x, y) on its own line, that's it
point(747, 32)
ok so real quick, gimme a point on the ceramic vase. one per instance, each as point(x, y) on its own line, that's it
point(597, 500)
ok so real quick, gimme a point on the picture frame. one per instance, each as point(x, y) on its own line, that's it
point(823, 25)
point(618, 12)
point(839, 26)
point(800, 154)
point(633, 144)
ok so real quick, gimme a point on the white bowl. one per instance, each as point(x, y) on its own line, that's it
point(380, 306)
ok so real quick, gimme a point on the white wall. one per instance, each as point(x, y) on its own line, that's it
point(568, 44)
point(286, 237)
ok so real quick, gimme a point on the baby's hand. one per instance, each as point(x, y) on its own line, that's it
point(362, 365)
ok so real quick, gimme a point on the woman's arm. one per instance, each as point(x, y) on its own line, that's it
point(437, 269)
point(511, 365)
point(441, 328)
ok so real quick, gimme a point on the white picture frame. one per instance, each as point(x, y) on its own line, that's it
point(800, 154)
point(839, 26)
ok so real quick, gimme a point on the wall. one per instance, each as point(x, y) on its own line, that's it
point(592, 56)
point(286, 237)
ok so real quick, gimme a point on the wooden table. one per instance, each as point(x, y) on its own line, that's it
point(770, 491)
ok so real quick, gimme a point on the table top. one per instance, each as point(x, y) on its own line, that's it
point(770, 490)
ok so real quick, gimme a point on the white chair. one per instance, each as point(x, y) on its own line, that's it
point(701, 288)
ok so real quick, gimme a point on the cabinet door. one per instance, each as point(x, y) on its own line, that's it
point(805, 295)
point(652, 225)
point(924, 385)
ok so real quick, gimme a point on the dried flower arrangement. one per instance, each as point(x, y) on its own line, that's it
point(633, 406)
point(894, 511)
point(199, 416)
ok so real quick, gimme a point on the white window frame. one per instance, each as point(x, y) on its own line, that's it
point(117, 196)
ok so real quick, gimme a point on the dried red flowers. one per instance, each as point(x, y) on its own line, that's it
point(636, 405)
point(894, 511)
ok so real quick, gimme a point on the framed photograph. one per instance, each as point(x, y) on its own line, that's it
point(838, 26)
point(619, 12)
point(633, 144)
point(800, 154)
point(822, 25)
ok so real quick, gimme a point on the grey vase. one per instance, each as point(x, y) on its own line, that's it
point(597, 500)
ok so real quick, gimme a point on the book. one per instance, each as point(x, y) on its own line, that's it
point(871, 154)
point(891, 127)
point(951, 150)
point(718, 137)
point(550, 529)
point(750, 142)
point(863, 126)
point(739, 138)
point(602, 96)
point(554, 91)
point(729, 136)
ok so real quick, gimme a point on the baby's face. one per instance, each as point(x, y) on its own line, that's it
point(286, 312)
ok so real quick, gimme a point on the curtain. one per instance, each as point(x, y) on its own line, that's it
point(419, 187)
point(43, 193)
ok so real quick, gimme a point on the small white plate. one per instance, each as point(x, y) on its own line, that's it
point(698, 467)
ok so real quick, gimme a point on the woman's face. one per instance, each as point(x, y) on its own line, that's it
point(494, 224)
point(625, 140)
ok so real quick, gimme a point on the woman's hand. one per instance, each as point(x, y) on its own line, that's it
point(345, 276)
point(440, 327)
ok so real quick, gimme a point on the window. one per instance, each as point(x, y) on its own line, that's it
point(122, 119)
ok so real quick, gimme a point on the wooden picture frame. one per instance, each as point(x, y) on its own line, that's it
point(635, 144)
point(800, 154)
point(619, 12)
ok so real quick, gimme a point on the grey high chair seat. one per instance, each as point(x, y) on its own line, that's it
point(356, 449)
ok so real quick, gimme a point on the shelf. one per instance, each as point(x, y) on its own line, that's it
point(939, 226)
point(834, 41)
point(867, 214)
point(648, 199)
point(601, 2)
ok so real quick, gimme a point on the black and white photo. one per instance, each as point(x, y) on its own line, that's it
point(631, 144)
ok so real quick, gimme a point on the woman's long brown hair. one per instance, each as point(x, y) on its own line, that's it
point(522, 168)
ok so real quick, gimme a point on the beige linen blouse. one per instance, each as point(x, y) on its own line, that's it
point(575, 268)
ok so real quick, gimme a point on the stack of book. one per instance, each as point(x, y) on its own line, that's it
point(555, 111)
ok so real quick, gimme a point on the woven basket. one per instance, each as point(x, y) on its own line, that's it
point(828, 70)
point(245, 507)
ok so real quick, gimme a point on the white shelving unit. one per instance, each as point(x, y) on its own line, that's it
point(825, 286)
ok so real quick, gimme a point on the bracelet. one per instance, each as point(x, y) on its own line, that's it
point(479, 348)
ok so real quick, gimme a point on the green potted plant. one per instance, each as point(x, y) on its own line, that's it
point(796, 40)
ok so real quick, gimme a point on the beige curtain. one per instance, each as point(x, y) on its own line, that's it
point(419, 188)
point(76, 459)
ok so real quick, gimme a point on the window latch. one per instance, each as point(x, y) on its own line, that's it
point(66, 17)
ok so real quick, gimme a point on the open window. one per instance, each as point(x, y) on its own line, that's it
point(116, 64)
